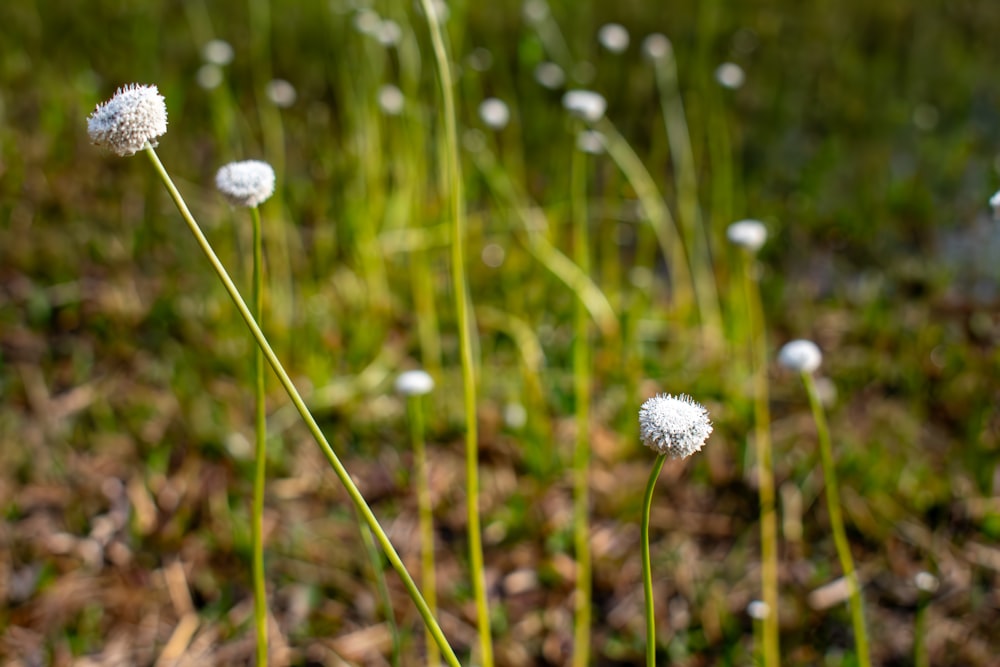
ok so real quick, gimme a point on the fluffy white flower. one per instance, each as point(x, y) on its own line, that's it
point(656, 46)
point(995, 204)
point(730, 75)
point(675, 426)
point(248, 183)
point(414, 383)
point(550, 75)
point(585, 104)
point(802, 356)
point(134, 115)
point(391, 99)
point(747, 234)
point(494, 113)
point(614, 37)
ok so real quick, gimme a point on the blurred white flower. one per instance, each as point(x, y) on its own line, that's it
point(590, 141)
point(675, 427)
point(414, 383)
point(995, 204)
point(494, 113)
point(248, 183)
point(388, 33)
point(802, 356)
point(747, 234)
point(480, 59)
point(758, 610)
point(550, 75)
point(535, 11)
point(367, 22)
point(730, 75)
point(515, 416)
point(209, 76)
point(493, 255)
point(926, 582)
point(656, 46)
point(136, 114)
point(217, 52)
point(585, 104)
point(614, 37)
point(281, 93)
point(391, 100)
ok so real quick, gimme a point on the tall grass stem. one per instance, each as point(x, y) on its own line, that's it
point(425, 510)
point(260, 451)
point(647, 569)
point(293, 394)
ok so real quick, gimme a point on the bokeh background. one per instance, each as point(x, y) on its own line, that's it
point(864, 134)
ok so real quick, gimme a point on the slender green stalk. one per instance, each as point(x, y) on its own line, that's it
point(765, 464)
point(581, 390)
point(647, 569)
point(464, 319)
point(425, 510)
point(260, 452)
point(293, 394)
point(837, 523)
point(383, 592)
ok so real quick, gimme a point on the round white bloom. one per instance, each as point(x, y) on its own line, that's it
point(590, 141)
point(758, 609)
point(926, 581)
point(656, 46)
point(730, 75)
point(614, 37)
point(367, 22)
point(247, 183)
point(585, 104)
point(389, 33)
point(480, 59)
point(747, 234)
point(494, 113)
point(675, 426)
point(134, 115)
point(391, 100)
point(217, 52)
point(414, 383)
point(209, 76)
point(801, 355)
point(995, 204)
point(281, 93)
point(535, 11)
point(550, 75)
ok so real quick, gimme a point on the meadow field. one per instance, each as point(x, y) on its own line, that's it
point(550, 271)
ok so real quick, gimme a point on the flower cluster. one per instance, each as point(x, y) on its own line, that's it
point(675, 426)
point(135, 115)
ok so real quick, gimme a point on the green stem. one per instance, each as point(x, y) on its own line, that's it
point(425, 511)
point(293, 394)
point(765, 465)
point(647, 569)
point(260, 452)
point(464, 319)
point(581, 381)
point(837, 523)
point(383, 592)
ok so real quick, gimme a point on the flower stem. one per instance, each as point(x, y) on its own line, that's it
point(260, 452)
point(425, 510)
point(293, 394)
point(647, 570)
point(837, 523)
point(464, 319)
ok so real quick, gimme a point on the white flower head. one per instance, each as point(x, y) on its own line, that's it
point(730, 75)
point(136, 114)
point(995, 205)
point(281, 93)
point(675, 426)
point(758, 610)
point(802, 356)
point(550, 75)
point(248, 183)
point(747, 234)
point(391, 99)
point(217, 52)
point(614, 37)
point(657, 46)
point(494, 112)
point(388, 33)
point(590, 141)
point(926, 582)
point(414, 383)
point(585, 104)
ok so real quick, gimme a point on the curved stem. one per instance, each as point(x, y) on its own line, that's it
point(837, 523)
point(293, 394)
point(647, 570)
point(260, 453)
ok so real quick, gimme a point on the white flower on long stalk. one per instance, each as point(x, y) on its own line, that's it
point(747, 234)
point(281, 93)
point(135, 115)
point(495, 113)
point(550, 75)
point(801, 356)
point(248, 183)
point(585, 104)
point(414, 383)
point(217, 52)
point(674, 426)
point(656, 46)
point(614, 37)
point(730, 75)
point(391, 99)
point(590, 141)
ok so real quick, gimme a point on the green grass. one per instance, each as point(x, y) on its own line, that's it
point(125, 409)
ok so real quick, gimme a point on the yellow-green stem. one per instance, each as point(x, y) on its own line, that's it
point(463, 317)
point(293, 394)
point(837, 523)
point(765, 464)
point(581, 382)
point(428, 578)
point(260, 452)
point(647, 569)
point(383, 592)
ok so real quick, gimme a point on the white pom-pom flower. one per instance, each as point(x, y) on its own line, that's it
point(248, 183)
point(136, 114)
point(550, 75)
point(674, 426)
point(656, 46)
point(995, 205)
point(414, 383)
point(391, 99)
point(801, 356)
point(730, 75)
point(747, 234)
point(614, 37)
point(494, 112)
point(585, 104)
